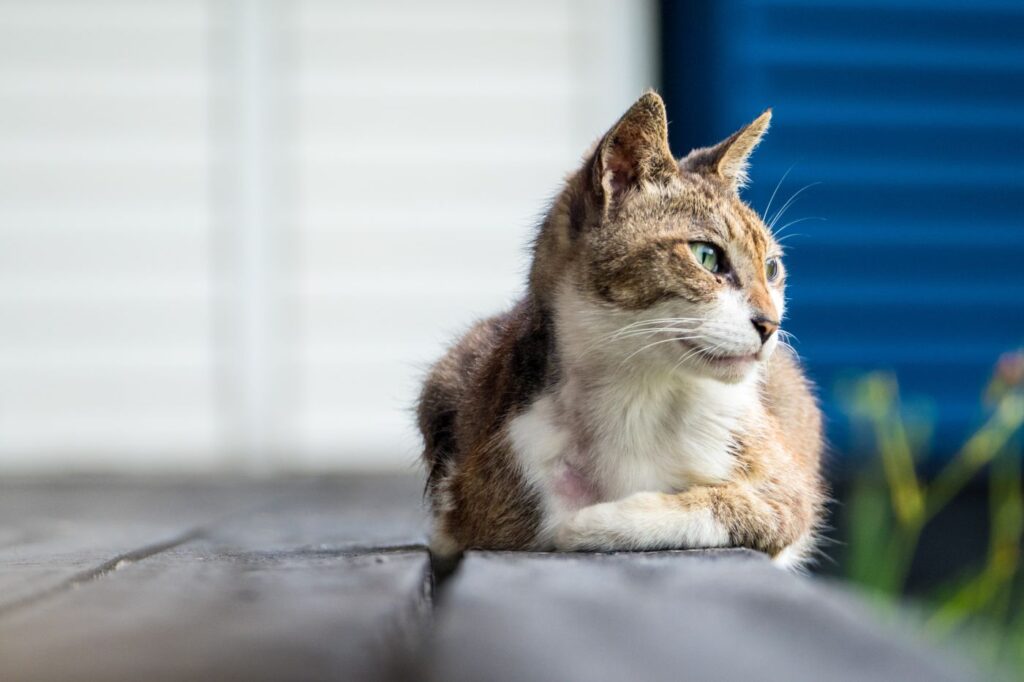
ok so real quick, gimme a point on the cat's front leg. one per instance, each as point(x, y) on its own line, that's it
point(768, 517)
point(646, 520)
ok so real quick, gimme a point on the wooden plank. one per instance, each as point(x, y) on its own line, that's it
point(712, 615)
point(341, 512)
point(200, 613)
point(55, 533)
point(288, 591)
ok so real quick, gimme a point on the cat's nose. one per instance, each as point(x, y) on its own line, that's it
point(765, 327)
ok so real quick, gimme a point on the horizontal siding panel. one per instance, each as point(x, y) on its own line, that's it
point(126, 216)
point(901, 23)
point(403, 250)
point(158, 48)
point(533, 119)
point(66, 150)
point(897, 86)
point(427, 185)
point(125, 81)
point(152, 389)
point(125, 16)
point(89, 184)
point(466, 16)
point(949, 9)
point(343, 320)
point(108, 254)
point(56, 113)
point(845, 109)
point(519, 55)
point(121, 441)
point(148, 322)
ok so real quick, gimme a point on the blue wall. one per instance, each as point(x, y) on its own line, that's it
point(910, 115)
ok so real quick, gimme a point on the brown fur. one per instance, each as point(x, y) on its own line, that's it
point(619, 233)
point(487, 376)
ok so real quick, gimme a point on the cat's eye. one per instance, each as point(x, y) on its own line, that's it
point(708, 255)
point(771, 269)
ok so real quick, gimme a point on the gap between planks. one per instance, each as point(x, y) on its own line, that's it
point(100, 571)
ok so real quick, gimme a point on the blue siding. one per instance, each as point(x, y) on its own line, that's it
point(910, 115)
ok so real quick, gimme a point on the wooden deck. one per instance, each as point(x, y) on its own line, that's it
point(329, 579)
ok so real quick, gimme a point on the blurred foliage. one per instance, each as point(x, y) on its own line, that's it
point(984, 608)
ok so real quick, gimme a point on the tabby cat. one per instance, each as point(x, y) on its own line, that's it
point(637, 396)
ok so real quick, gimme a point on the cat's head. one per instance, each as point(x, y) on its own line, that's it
point(656, 261)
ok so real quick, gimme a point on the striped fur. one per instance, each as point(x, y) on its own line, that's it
point(632, 399)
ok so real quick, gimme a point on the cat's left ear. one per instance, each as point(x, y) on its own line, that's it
point(730, 158)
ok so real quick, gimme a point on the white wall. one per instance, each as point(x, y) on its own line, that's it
point(232, 234)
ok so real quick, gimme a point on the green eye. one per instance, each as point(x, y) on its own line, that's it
point(771, 269)
point(708, 255)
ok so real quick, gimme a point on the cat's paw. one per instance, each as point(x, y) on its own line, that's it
point(607, 526)
point(588, 529)
point(642, 521)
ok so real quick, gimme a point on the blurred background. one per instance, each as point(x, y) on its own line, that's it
point(234, 233)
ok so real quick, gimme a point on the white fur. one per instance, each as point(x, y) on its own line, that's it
point(732, 333)
point(441, 542)
point(796, 556)
point(779, 300)
point(641, 521)
point(627, 430)
point(541, 446)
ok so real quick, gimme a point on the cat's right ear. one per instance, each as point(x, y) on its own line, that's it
point(634, 154)
point(730, 158)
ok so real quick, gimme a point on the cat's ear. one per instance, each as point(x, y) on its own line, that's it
point(730, 158)
point(635, 152)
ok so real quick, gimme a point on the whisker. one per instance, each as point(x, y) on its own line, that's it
point(643, 326)
point(621, 335)
point(789, 202)
point(657, 320)
point(775, 191)
point(695, 351)
point(655, 343)
point(794, 222)
point(678, 335)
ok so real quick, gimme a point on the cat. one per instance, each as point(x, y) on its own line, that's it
point(637, 397)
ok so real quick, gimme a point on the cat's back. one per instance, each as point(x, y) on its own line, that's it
point(492, 368)
point(447, 384)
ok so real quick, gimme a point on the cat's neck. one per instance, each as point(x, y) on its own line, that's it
point(652, 430)
point(608, 393)
point(638, 399)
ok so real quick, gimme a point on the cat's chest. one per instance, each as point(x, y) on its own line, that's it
point(667, 449)
point(619, 446)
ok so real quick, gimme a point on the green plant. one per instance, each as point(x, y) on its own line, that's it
point(886, 521)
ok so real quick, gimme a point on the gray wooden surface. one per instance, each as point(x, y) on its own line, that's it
point(321, 579)
point(711, 615)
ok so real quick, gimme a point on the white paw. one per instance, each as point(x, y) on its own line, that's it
point(640, 521)
point(607, 526)
point(591, 528)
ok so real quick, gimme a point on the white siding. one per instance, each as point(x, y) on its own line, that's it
point(234, 233)
point(105, 280)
